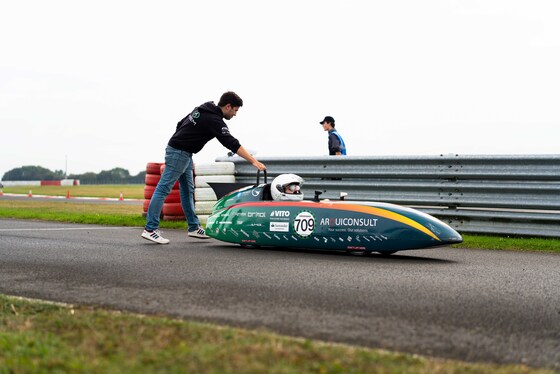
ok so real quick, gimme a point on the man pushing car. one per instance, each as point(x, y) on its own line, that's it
point(203, 124)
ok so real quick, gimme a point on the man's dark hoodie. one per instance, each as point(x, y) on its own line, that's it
point(203, 124)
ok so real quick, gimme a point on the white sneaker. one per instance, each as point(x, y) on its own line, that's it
point(154, 236)
point(198, 233)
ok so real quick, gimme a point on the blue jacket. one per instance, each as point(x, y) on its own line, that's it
point(336, 143)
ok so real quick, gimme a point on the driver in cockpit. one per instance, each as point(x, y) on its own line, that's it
point(287, 187)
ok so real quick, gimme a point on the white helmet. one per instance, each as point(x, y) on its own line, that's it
point(279, 184)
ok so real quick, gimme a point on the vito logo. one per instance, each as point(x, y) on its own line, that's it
point(280, 213)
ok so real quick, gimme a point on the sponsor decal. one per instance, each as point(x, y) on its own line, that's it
point(304, 224)
point(255, 193)
point(354, 248)
point(280, 226)
point(256, 215)
point(225, 131)
point(280, 213)
point(361, 222)
point(192, 118)
point(248, 241)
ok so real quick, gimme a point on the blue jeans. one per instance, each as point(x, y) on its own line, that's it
point(178, 166)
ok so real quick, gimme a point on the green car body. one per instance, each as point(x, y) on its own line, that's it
point(250, 217)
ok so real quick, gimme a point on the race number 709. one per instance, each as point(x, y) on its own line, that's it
point(304, 224)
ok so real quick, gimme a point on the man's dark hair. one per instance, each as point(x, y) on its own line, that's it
point(231, 98)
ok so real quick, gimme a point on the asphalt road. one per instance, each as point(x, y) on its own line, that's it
point(472, 305)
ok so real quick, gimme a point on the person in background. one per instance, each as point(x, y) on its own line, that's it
point(336, 144)
point(204, 123)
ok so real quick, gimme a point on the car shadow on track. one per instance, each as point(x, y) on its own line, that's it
point(399, 257)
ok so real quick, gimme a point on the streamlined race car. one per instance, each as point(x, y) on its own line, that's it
point(254, 216)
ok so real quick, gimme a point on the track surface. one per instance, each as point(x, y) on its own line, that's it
point(473, 305)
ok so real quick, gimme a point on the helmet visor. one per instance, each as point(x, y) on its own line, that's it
point(293, 187)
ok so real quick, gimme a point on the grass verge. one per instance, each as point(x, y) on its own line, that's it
point(86, 213)
point(45, 337)
point(510, 243)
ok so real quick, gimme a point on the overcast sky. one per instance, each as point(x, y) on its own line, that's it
point(101, 84)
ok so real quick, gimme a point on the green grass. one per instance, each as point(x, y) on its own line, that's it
point(67, 211)
point(129, 191)
point(45, 337)
point(510, 243)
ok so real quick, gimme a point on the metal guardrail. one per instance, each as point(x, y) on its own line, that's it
point(504, 195)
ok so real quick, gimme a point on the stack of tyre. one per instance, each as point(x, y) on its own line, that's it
point(204, 196)
point(172, 210)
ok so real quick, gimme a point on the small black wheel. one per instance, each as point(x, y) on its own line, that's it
point(356, 253)
point(249, 246)
point(387, 253)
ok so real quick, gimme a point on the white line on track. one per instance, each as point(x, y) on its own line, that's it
point(70, 198)
point(72, 228)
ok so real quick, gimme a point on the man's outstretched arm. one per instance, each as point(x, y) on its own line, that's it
point(242, 152)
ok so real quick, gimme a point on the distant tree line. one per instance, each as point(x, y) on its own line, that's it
point(113, 176)
point(32, 173)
